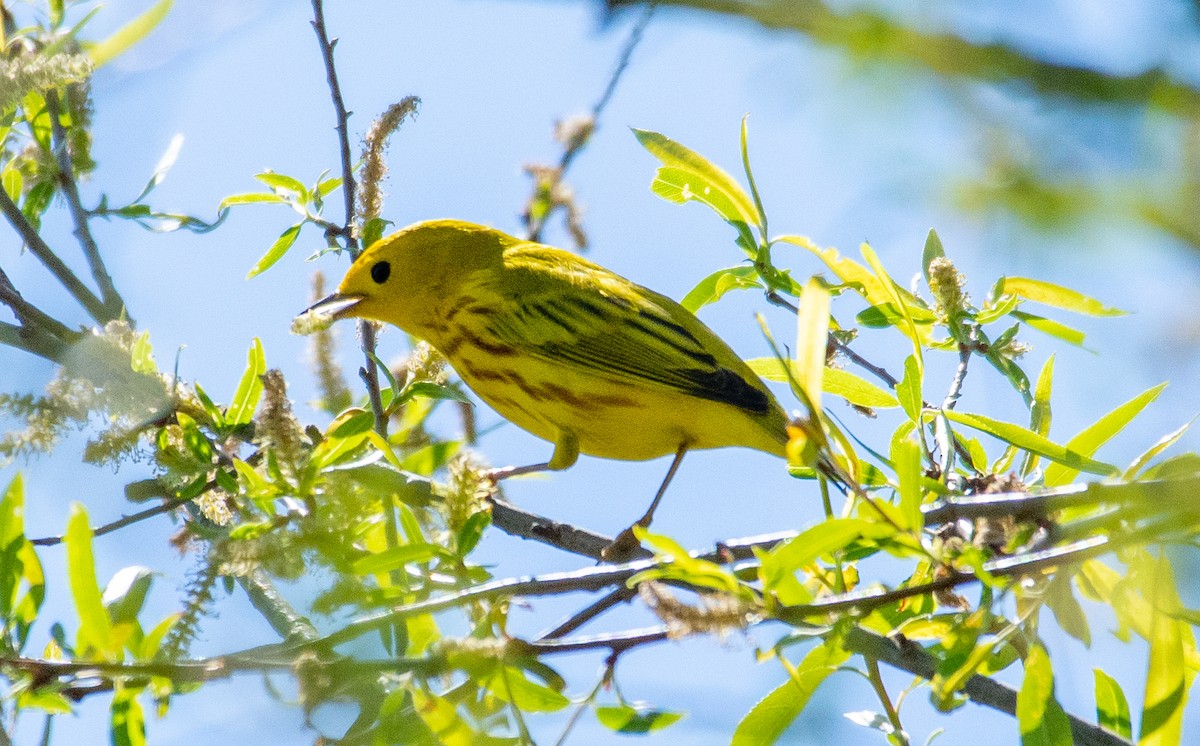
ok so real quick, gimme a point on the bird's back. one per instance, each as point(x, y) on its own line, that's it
point(559, 344)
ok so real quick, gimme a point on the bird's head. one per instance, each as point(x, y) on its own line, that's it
point(401, 278)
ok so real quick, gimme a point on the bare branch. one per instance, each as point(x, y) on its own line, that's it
point(113, 303)
point(50, 260)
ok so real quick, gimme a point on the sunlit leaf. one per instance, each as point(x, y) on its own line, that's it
point(284, 183)
point(1112, 709)
point(906, 457)
point(396, 557)
point(1057, 296)
point(1067, 611)
point(126, 593)
point(1166, 680)
point(142, 355)
point(1040, 717)
point(129, 34)
point(250, 387)
point(511, 685)
point(635, 721)
point(277, 250)
point(772, 715)
point(1089, 440)
point(95, 628)
point(835, 382)
point(1030, 441)
point(933, 250)
point(1055, 329)
point(250, 199)
point(812, 338)
point(1150, 453)
point(128, 722)
point(686, 175)
point(713, 287)
point(908, 391)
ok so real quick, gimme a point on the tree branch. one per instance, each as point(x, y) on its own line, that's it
point(50, 260)
point(114, 305)
point(911, 657)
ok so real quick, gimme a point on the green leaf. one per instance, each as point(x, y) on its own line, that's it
point(635, 720)
point(249, 391)
point(1112, 710)
point(686, 175)
point(128, 724)
point(277, 250)
point(282, 183)
point(1166, 679)
point(836, 382)
point(471, 532)
point(906, 456)
point(1040, 717)
point(126, 593)
point(1030, 441)
point(1163, 444)
point(1051, 327)
point(894, 295)
point(142, 355)
point(430, 390)
point(933, 250)
point(908, 391)
point(95, 628)
point(511, 685)
point(713, 287)
point(129, 34)
point(758, 205)
point(812, 340)
point(1040, 291)
point(1089, 440)
point(1067, 611)
point(19, 564)
point(772, 715)
point(249, 199)
point(778, 566)
point(396, 557)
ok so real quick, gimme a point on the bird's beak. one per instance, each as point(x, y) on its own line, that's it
point(324, 312)
point(334, 306)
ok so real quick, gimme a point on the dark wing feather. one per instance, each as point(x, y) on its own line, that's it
point(602, 323)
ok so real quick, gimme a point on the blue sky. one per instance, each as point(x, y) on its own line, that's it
point(843, 152)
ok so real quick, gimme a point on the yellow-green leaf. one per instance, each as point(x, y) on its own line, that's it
point(772, 715)
point(1098, 433)
point(906, 455)
point(249, 390)
point(812, 339)
point(277, 250)
point(686, 175)
point(711, 288)
point(95, 628)
point(1041, 718)
point(142, 355)
point(1040, 291)
point(1166, 679)
point(1112, 709)
point(1024, 438)
point(908, 391)
point(848, 386)
point(129, 34)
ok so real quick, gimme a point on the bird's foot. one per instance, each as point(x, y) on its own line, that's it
point(622, 548)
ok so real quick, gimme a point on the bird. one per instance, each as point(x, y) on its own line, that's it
point(563, 347)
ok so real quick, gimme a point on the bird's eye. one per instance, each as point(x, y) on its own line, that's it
point(380, 272)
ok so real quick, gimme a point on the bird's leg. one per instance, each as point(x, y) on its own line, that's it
point(566, 453)
point(626, 541)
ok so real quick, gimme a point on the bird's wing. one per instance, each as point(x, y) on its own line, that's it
point(563, 309)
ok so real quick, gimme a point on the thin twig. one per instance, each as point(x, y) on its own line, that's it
point(587, 614)
point(343, 122)
point(38, 247)
point(881, 692)
point(30, 316)
point(113, 303)
point(165, 507)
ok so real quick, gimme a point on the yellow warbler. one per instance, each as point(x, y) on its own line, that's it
point(563, 347)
